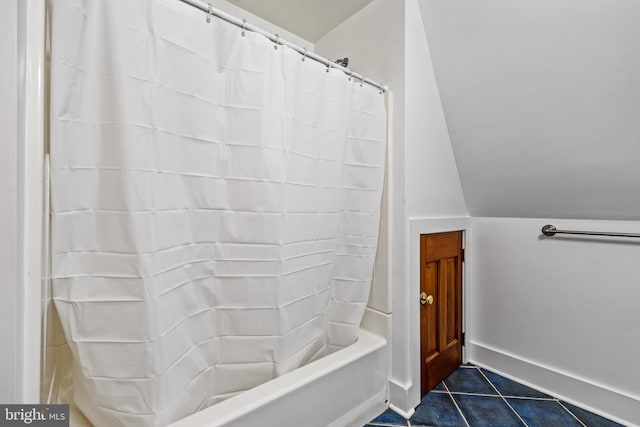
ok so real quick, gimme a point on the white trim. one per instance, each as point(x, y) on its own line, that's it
point(594, 397)
point(399, 398)
point(418, 226)
point(47, 299)
point(390, 204)
point(405, 415)
point(32, 199)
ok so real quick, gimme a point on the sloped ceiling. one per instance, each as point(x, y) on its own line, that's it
point(309, 19)
point(542, 102)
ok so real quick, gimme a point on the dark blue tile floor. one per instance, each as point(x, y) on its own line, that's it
point(474, 397)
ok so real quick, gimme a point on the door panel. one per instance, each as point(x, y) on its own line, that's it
point(430, 347)
point(441, 312)
point(451, 311)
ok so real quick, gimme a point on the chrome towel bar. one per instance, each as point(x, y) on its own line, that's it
point(550, 230)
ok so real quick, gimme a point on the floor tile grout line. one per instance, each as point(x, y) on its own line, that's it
point(456, 404)
point(466, 393)
point(543, 399)
point(503, 398)
point(572, 414)
point(383, 424)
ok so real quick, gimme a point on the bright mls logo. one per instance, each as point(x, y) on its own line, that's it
point(36, 415)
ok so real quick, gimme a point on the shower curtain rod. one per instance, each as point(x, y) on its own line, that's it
point(211, 11)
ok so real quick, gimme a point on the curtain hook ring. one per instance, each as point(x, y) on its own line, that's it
point(362, 80)
point(244, 24)
point(209, 12)
point(328, 66)
point(304, 54)
point(275, 46)
point(350, 75)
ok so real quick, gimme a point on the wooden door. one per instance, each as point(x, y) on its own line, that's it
point(441, 259)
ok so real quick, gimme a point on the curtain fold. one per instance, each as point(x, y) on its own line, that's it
point(215, 207)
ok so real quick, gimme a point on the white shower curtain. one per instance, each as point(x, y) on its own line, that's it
point(215, 206)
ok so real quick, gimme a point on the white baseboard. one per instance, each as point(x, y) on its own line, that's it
point(597, 398)
point(399, 396)
point(400, 412)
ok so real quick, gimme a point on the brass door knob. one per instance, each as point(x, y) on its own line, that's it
point(426, 299)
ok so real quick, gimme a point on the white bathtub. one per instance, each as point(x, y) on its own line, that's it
point(346, 388)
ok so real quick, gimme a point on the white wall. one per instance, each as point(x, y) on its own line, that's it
point(542, 99)
point(309, 19)
point(259, 22)
point(560, 313)
point(433, 184)
point(8, 201)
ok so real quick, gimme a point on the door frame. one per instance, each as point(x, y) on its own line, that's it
point(417, 227)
